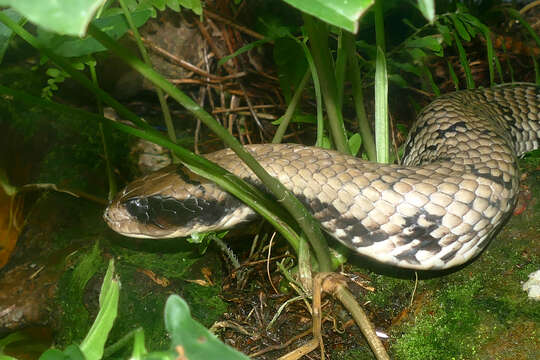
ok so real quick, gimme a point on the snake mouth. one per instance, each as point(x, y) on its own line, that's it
point(121, 221)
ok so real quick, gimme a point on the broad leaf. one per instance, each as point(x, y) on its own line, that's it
point(340, 13)
point(69, 17)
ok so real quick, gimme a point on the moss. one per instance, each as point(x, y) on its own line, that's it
point(361, 353)
point(205, 304)
point(142, 299)
point(74, 318)
point(390, 293)
point(141, 304)
point(170, 265)
point(443, 327)
point(481, 311)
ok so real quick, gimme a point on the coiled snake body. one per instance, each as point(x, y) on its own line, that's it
point(457, 185)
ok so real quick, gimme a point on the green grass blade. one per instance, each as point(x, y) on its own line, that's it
point(464, 63)
point(94, 343)
point(381, 109)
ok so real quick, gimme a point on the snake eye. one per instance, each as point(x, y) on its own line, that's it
point(138, 208)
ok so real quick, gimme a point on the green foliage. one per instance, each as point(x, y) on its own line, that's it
point(71, 17)
point(6, 34)
point(115, 25)
point(61, 16)
point(93, 344)
point(71, 299)
point(341, 13)
point(196, 342)
point(444, 330)
point(291, 64)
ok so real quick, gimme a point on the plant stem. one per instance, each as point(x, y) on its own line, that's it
point(103, 130)
point(358, 97)
point(341, 66)
point(382, 131)
point(318, 40)
point(317, 88)
point(360, 317)
point(286, 118)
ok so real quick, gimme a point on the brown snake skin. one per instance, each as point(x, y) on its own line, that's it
point(457, 185)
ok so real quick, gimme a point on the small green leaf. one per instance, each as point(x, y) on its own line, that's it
point(464, 63)
point(407, 66)
point(460, 28)
point(243, 49)
point(355, 142)
point(53, 72)
point(453, 75)
point(174, 5)
point(427, 42)
point(445, 33)
point(139, 349)
point(398, 80)
point(418, 55)
point(72, 352)
point(299, 118)
point(381, 108)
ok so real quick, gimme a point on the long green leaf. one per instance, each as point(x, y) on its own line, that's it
point(464, 63)
point(318, 40)
point(382, 137)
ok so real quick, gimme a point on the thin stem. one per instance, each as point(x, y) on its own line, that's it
point(358, 97)
point(318, 96)
point(382, 131)
point(318, 40)
point(360, 317)
point(379, 25)
point(341, 66)
point(104, 137)
point(286, 118)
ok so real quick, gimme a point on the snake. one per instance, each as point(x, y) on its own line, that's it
point(456, 186)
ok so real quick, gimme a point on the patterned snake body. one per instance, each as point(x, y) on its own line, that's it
point(457, 185)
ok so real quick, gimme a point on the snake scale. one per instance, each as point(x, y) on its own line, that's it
point(458, 184)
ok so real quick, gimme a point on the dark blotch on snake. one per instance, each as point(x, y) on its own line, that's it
point(495, 179)
point(460, 125)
